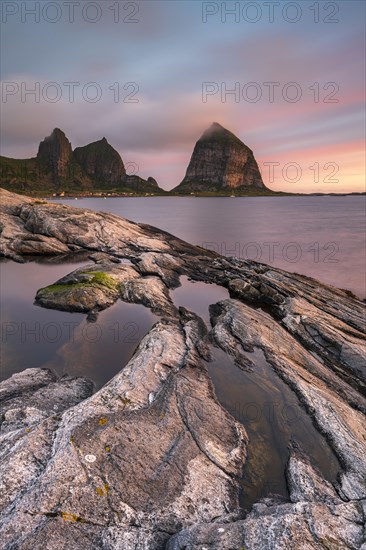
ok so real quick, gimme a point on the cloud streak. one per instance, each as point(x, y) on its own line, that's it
point(169, 54)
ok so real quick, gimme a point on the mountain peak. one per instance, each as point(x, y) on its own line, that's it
point(214, 128)
point(217, 126)
point(55, 153)
point(216, 132)
point(220, 161)
point(95, 166)
point(99, 160)
point(57, 133)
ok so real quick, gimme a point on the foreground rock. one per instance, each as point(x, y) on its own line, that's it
point(31, 406)
point(91, 289)
point(129, 466)
point(315, 519)
point(31, 227)
point(328, 399)
point(154, 466)
point(152, 461)
point(327, 321)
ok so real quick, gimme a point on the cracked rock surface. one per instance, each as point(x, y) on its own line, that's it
point(152, 460)
point(130, 465)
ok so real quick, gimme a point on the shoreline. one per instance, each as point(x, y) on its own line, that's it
point(194, 195)
point(152, 459)
point(67, 194)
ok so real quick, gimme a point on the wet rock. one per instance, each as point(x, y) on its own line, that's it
point(149, 453)
point(341, 345)
point(38, 393)
point(165, 266)
point(151, 460)
point(333, 404)
point(152, 293)
point(91, 289)
point(33, 245)
point(100, 258)
point(242, 289)
point(88, 289)
point(321, 521)
point(21, 382)
point(306, 484)
point(31, 404)
point(77, 227)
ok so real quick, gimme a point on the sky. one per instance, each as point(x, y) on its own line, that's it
point(287, 78)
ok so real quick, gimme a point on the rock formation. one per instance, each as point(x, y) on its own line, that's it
point(94, 167)
point(220, 161)
point(101, 162)
point(54, 153)
point(152, 461)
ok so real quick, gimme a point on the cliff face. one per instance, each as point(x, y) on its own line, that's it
point(100, 162)
point(55, 154)
point(97, 166)
point(221, 161)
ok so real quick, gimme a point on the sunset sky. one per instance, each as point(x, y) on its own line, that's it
point(170, 50)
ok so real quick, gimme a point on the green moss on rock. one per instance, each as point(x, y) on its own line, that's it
point(99, 278)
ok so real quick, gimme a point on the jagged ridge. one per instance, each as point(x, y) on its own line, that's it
point(95, 166)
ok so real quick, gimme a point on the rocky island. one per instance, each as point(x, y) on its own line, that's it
point(221, 162)
point(221, 165)
point(58, 169)
point(152, 460)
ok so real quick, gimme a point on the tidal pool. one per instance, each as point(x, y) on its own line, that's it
point(268, 409)
point(64, 342)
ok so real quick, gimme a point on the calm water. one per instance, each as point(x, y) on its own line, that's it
point(244, 227)
point(323, 237)
point(269, 410)
point(32, 336)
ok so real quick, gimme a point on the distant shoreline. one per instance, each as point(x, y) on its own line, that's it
point(195, 195)
point(111, 195)
point(51, 194)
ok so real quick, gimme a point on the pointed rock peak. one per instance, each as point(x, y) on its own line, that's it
point(56, 139)
point(55, 152)
point(100, 143)
point(216, 132)
point(221, 161)
point(57, 133)
point(216, 126)
point(57, 136)
point(100, 161)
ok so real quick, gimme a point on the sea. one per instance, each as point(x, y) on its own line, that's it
point(319, 236)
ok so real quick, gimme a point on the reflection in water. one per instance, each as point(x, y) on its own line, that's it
point(273, 419)
point(323, 237)
point(36, 337)
point(65, 342)
point(198, 296)
point(100, 350)
point(264, 404)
